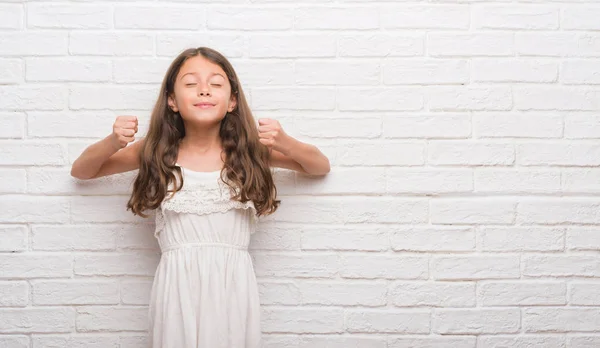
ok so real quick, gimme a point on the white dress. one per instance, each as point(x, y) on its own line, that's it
point(204, 292)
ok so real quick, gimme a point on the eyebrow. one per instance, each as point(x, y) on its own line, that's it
point(211, 75)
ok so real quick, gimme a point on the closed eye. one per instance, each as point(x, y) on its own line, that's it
point(190, 84)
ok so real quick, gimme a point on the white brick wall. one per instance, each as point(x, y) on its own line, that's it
point(461, 210)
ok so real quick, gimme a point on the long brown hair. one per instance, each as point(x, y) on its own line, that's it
point(246, 159)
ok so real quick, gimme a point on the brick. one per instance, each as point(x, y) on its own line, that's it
point(496, 180)
point(556, 210)
point(384, 266)
point(117, 97)
point(522, 17)
point(249, 18)
point(306, 320)
point(433, 342)
point(13, 181)
point(568, 98)
point(346, 293)
point(110, 44)
point(472, 211)
point(354, 18)
point(476, 321)
point(522, 341)
point(338, 72)
point(171, 44)
point(71, 16)
point(90, 319)
point(375, 153)
point(270, 98)
point(140, 70)
point(584, 180)
point(12, 71)
point(474, 45)
point(425, 72)
point(522, 293)
point(74, 237)
point(14, 341)
point(583, 238)
point(14, 238)
point(68, 70)
point(288, 46)
point(557, 44)
point(475, 267)
point(381, 45)
point(420, 181)
point(136, 292)
point(13, 125)
point(75, 341)
point(582, 126)
point(433, 239)
point(305, 265)
point(388, 321)
point(518, 125)
point(42, 320)
point(44, 180)
point(425, 125)
point(558, 320)
point(14, 294)
point(11, 16)
point(560, 266)
point(584, 294)
point(32, 43)
point(581, 17)
point(113, 264)
point(432, 294)
point(380, 99)
point(276, 237)
point(75, 292)
point(32, 97)
point(279, 293)
point(346, 238)
point(35, 265)
point(159, 17)
point(580, 72)
point(33, 209)
point(436, 16)
point(514, 70)
point(466, 98)
point(521, 239)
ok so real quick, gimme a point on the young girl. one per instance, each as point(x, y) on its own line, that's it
point(204, 166)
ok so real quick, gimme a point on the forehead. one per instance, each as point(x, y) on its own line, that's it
point(199, 65)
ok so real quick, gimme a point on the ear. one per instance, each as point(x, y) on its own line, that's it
point(172, 103)
point(232, 103)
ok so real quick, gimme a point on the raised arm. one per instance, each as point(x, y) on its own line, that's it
point(110, 155)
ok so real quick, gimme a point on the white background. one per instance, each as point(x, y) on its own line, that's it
point(462, 206)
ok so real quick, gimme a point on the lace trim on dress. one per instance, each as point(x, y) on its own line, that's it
point(201, 198)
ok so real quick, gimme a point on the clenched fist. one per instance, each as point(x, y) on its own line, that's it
point(272, 135)
point(124, 130)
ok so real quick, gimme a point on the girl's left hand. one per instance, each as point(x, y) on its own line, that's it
point(272, 135)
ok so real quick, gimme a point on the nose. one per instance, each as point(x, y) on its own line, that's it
point(203, 89)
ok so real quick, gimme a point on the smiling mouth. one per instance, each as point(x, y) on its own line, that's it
point(204, 105)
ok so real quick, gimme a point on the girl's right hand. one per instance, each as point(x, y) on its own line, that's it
point(124, 130)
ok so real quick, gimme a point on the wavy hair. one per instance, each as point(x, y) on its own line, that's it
point(246, 159)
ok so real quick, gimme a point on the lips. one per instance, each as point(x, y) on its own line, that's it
point(204, 105)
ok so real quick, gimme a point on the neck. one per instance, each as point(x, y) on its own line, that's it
point(201, 138)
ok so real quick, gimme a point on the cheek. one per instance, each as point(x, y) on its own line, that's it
point(184, 97)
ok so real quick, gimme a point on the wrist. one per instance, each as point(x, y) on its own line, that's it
point(111, 143)
point(290, 147)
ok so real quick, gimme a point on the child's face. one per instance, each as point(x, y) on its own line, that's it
point(202, 91)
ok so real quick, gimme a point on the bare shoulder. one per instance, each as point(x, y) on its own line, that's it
point(279, 160)
point(124, 160)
